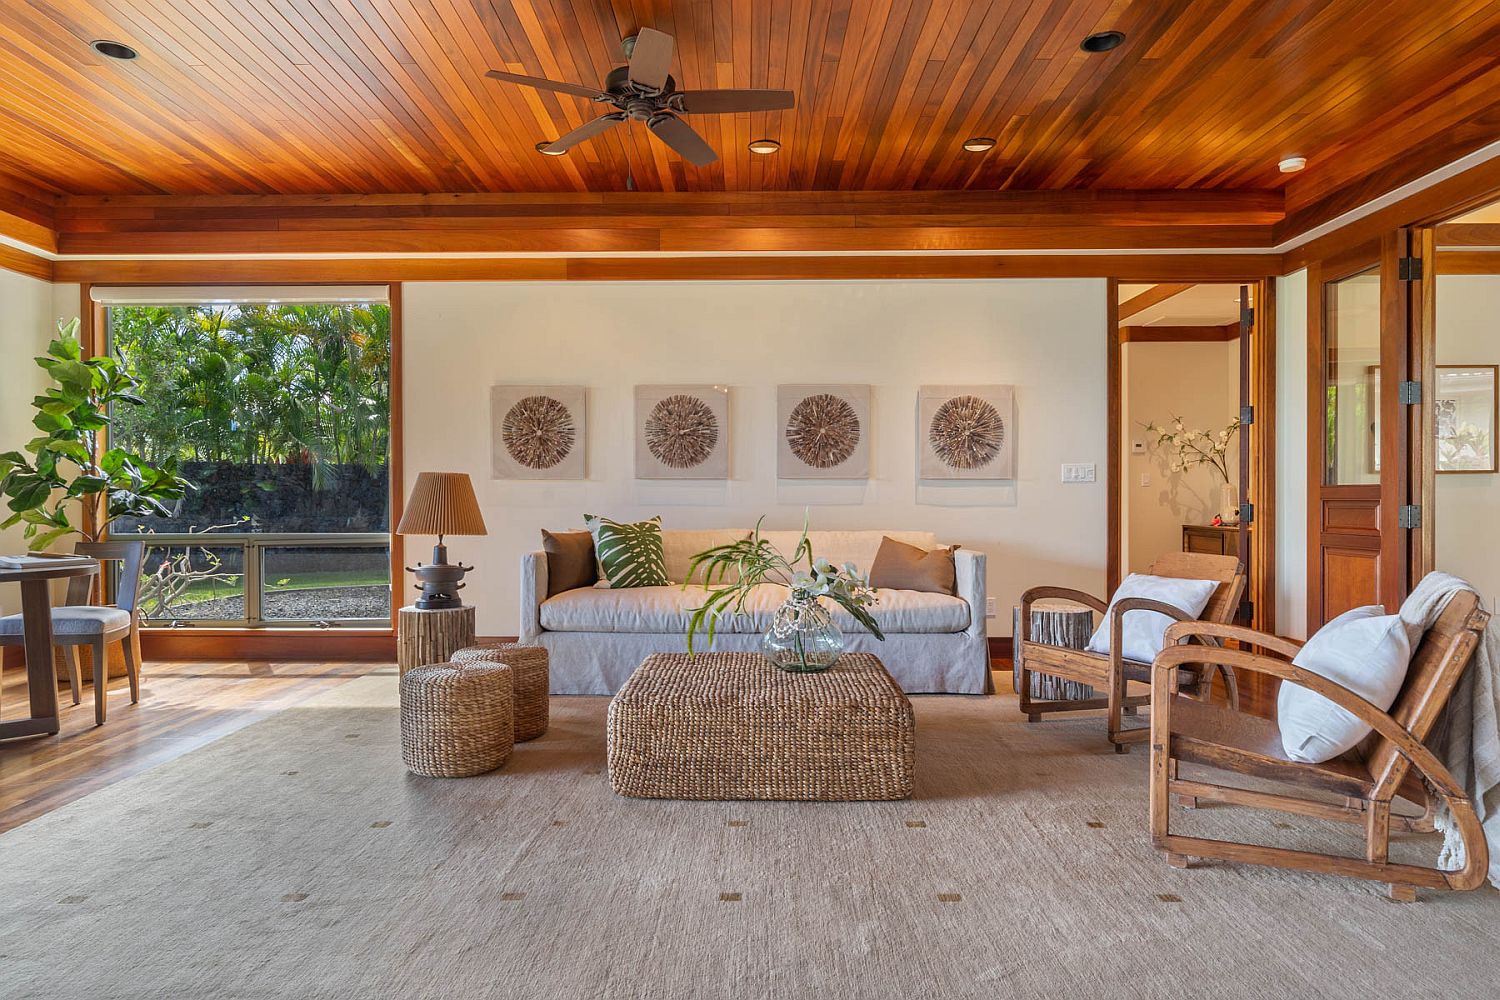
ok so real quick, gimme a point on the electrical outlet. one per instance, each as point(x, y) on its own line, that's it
point(1078, 472)
point(1145, 479)
point(989, 607)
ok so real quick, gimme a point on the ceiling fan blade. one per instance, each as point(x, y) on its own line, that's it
point(724, 102)
point(651, 59)
point(680, 136)
point(577, 90)
point(585, 131)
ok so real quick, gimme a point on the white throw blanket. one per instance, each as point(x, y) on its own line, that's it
point(1467, 739)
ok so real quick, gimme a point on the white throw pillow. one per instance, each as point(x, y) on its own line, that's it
point(1364, 650)
point(1145, 631)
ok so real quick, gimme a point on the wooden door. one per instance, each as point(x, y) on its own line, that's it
point(1358, 430)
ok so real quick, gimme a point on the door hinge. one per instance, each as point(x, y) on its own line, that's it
point(1247, 416)
point(1247, 316)
point(1409, 268)
point(1409, 516)
point(1410, 393)
point(1247, 513)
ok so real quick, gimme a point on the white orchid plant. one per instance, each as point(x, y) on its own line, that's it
point(731, 572)
point(1187, 448)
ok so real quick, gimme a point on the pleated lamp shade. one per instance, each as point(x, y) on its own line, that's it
point(442, 503)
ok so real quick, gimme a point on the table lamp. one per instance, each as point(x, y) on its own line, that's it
point(441, 503)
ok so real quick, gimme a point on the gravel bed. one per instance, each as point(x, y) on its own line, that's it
point(312, 604)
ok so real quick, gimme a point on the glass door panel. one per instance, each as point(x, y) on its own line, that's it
point(1351, 379)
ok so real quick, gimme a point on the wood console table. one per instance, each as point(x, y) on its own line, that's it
point(36, 625)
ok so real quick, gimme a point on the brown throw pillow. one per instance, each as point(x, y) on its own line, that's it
point(570, 560)
point(899, 566)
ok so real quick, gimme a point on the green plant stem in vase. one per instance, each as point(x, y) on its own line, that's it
point(803, 637)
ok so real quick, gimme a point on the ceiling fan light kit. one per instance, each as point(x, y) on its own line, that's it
point(979, 144)
point(1291, 164)
point(644, 91)
point(765, 147)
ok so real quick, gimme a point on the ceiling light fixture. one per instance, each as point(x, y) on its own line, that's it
point(1292, 164)
point(979, 144)
point(541, 147)
point(113, 50)
point(1103, 41)
point(765, 147)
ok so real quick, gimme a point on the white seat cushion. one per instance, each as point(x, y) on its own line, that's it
point(75, 621)
point(1145, 631)
point(663, 610)
point(1364, 650)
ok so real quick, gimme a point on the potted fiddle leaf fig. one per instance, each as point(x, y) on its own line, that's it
point(66, 463)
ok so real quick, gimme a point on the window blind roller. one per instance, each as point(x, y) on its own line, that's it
point(196, 295)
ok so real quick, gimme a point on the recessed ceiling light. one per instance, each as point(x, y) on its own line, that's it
point(1103, 41)
point(114, 50)
point(1292, 164)
point(541, 147)
point(979, 144)
point(765, 147)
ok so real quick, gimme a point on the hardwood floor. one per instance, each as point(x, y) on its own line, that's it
point(182, 707)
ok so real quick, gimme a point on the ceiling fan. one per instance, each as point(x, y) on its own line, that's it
point(645, 92)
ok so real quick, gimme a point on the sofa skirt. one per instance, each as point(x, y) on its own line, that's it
point(600, 662)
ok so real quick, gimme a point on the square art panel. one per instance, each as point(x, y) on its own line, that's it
point(537, 431)
point(681, 432)
point(966, 432)
point(823, 432)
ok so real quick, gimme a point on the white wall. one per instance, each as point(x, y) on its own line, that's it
point(1198, 382)
point(1466, 526)
point(28, 316)
point(1045, 337)
point(1291, 455)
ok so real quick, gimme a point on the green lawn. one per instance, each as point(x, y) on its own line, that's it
point(208, 590)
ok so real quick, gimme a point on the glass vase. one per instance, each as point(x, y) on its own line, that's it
point(803, 638)
point(1229, 503)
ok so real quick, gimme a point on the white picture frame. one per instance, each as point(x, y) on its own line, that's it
point(538, 431)
point(823, 432)
point(682, 432)
point(966, 432)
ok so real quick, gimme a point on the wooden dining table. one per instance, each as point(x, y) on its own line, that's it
point(36, 625)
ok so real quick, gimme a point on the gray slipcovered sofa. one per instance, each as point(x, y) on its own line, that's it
point(597, 636)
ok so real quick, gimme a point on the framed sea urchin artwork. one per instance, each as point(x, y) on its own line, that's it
point(966, 432)
point(537, 431)
point(681, 432)
point(823, 432)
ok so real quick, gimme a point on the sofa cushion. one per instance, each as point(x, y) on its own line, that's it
point(570, 560)
point(665, 610)
point(899, 566)
point(679, 547)
point(629, 554)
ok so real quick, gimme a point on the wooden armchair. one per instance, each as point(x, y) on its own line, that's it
point(1112, 672)
point(1392, 762)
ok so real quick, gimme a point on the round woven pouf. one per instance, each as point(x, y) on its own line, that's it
point(529, 667)
point(456, 719)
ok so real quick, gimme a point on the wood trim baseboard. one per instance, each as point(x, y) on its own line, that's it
point(348, 645)
point(1001, 647)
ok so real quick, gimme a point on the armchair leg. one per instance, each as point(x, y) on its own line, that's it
point(132, 668)
point(1180, 860)
point(75, 679)
point(1403, 893)
point(100, 651)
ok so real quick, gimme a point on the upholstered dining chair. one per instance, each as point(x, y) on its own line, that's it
point(78, 623)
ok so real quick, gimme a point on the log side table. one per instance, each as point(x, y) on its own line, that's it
point(426, 637)
point(1056, 623)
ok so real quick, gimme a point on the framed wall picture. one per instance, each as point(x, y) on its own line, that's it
point(966, 432)
point(537, 431)
point(681, 432)
point(1466, 418)
point(823, 432)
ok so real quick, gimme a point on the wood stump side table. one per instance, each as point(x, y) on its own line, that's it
point(1056, 623)
point(425, 637)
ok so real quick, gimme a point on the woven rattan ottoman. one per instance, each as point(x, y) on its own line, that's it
point(528, 666)
point(456, 720)
point(731, 726)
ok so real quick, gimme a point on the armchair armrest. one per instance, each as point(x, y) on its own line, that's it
point(1180, 619)
point(969, 568)
point(1249, 637)
point(1035, 594)
point(533, 593)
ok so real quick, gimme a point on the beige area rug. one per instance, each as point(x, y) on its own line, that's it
point(296, 858)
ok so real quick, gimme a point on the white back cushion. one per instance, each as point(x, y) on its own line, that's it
point(1364, 650)
point(678, 547)
point(1145, 631)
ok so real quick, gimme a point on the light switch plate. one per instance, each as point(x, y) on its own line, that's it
point(1138, 447)
point(1078, 472)
point(989, 607)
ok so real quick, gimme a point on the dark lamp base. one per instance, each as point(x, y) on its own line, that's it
point(439, 581)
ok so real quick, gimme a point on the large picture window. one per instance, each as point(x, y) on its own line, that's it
point(276, 406)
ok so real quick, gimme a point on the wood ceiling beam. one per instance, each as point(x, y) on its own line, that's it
point(1179, 334)
point(1155, 295)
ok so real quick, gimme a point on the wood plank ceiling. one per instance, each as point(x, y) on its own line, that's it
point(361, 96)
